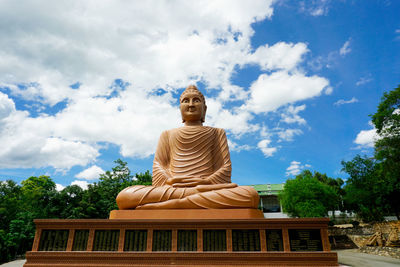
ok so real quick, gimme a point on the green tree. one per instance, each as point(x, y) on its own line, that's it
point(335, 183)
point(67, 203)
point(366, 190)
point(38, 198)
point(20, 236)
point(19, 205)
point(36, 194)
point(99, 199)
point(306, 196)
point(373, 189)
point(387, 147)
point(10, 201)
point(143, 178)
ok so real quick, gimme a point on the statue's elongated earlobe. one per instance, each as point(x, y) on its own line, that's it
point(203, 118)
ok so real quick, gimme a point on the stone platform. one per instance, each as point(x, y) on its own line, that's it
point(182, 242)
point(192, 214)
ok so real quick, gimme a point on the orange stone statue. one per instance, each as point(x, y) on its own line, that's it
point(191, 168)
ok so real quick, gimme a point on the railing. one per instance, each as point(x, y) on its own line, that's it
point(181, 242)
point(182, 235)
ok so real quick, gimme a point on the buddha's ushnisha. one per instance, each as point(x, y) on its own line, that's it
point(191, 168)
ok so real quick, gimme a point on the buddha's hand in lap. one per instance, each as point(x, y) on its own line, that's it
point(211, 187)
point(187, 181)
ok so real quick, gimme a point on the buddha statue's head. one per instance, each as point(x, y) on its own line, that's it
point(193, 106)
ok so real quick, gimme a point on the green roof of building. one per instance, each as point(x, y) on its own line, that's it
point(268, 189)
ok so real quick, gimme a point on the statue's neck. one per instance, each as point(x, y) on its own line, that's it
point(193, 123)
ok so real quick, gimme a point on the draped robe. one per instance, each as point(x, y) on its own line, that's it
point(190, 151)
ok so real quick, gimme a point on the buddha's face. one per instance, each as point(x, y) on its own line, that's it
point(193, 109)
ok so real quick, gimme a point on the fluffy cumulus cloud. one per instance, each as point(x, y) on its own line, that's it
point(30, 142)
point(90, 173)
point(291, 114)
point(366, 138)
point(294, 168)
point(279, 56)
point(82, 184)
point(271, 91)
point(7, 106)
point(267, 150)
point(59, 187)
point(114, 69)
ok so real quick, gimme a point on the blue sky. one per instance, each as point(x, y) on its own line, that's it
point(292, 82)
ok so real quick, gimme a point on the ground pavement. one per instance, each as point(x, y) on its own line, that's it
point(347, 257)
point(350, 257)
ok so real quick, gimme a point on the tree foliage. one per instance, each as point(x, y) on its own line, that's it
point(365, 189)
point(373, 189)
point(387, 147)
point(309, 195)
point(37, 197)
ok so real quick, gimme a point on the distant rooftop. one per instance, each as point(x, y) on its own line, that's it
point(268, 189)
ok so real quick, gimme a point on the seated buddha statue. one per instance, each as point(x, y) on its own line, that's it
point(191, 168)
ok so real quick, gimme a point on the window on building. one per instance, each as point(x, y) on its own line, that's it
point(270, 204)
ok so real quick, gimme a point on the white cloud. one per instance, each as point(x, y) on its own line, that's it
point(90, 173)
point(328, 90)
point(235, 120)
point(233, 146)
point(263, 145)
point(59, 187)
point(265, 132)
point(7, 106)
point(330, 60)
point(279, 56)
point(30, 142)
point(94, 43)
point(81, 184)
point(62, 153)
point(397, 31)
point(342, 101)
point(294, 168)
point(288, 134)
point(315, 7)
point(366, 138)
point(270, 92)
point(363, 80)
point(345, 49)
point(291, 114)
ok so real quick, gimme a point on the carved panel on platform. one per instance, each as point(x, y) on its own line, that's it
point(230, 242)
point(274, 239)
point(135, 240)
point(80, 240)
point(53, 240)
point(214, 240)
point(246, 240)
point(305, 240)
point(106, 240)
point(162, 240)
point(187, 240)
